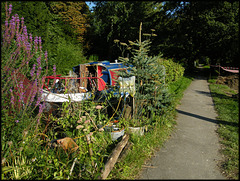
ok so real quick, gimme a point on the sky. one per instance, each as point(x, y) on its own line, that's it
point(90, 4)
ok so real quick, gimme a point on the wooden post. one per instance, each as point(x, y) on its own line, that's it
point(114, 156)
point(140, 33)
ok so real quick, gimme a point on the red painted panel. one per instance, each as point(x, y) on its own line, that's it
point(101, 82)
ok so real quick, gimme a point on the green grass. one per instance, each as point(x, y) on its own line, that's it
point(227, 108)
point(143, 147)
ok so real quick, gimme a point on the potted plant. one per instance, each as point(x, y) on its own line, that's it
point(136, 126)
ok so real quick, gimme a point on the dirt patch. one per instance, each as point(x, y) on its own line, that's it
point(231, 81)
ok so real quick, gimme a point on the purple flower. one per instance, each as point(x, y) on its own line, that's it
point(17, 121)
point(10, 9)
point(40, 108)
point(22, 20)
point(10, 90)
point(46, 55)
point(39, 61)
point(25, 30)
point(28, 46)
point(54, 68)
point(12, 100)
point(21, 84)
point(6, 23)
point(38, 101)
point(36, 40)
point(30, 37)
point(21, 97)
point(33, 70)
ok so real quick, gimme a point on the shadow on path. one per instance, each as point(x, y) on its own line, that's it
point(207, 119)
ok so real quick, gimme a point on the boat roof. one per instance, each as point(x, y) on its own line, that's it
point(105, 64)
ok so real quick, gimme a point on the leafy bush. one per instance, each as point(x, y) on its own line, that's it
point(67, 56)
point(174, 71)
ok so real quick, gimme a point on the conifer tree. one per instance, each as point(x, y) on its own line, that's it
point(151, 96)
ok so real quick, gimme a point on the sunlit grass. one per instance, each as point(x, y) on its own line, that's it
point(227, 108)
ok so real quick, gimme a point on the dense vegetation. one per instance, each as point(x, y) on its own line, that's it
point(45, 38)
point(186, 31)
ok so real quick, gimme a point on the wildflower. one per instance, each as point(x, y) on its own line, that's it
point(98, 107)
point(34, 159)
point(21, 97)
point(10, 90)
point(38, 101)
point(30, 37)
point(101, 129)
point(85, 130)
point(39, 60)
point(46, 55)
point(79, 126)
point(40, 43)
point(41, 107)
point(80, 120)
point(10, 9)
point(54, 68)
point(87, 121)
point(17, 121)
point(21, 84)
point(25, 30)
point(33, 70)
point(22, 20)
point(12, 100)
point(10, 143)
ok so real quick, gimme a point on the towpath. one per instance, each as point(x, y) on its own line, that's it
point(192, 152)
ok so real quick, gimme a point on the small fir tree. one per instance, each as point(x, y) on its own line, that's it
point(152, 97)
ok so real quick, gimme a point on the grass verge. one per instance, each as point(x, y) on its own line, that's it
point(227, 108)
point(143, 147)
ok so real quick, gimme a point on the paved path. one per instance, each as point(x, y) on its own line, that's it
point(192, 150)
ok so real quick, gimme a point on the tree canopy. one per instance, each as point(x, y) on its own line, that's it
point(186, 31)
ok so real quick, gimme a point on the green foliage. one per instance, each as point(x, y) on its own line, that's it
point(174, 71)
point(68, 55)
point(192, 30)
point(152, 97)
point(118, 20)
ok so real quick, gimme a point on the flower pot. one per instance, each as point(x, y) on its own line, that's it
point(115, 132)
point(136, 130)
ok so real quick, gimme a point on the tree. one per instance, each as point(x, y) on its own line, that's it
point(152, 97)
point(75, 13)
point(193, 30)
point(119, 20)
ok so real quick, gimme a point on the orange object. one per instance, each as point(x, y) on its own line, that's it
point(68, 144)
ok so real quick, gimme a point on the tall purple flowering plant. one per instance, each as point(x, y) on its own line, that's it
point(24, 64)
